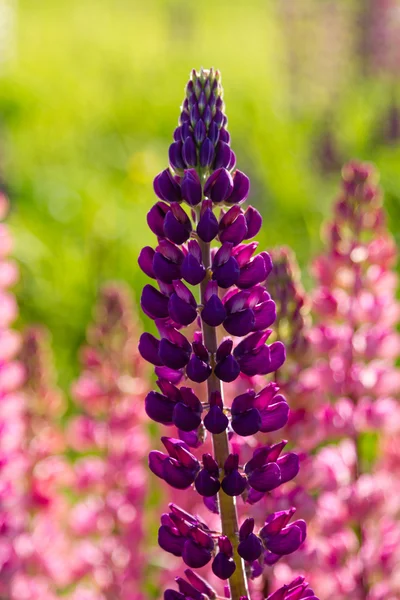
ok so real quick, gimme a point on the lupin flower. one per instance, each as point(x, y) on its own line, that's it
point(202, 193)
point(264, 411)
point(109, 438)
point(280, 537)
point(250, 546)
point(179, 468)
point(184, 535)
point(34, 548)
point(341, 374)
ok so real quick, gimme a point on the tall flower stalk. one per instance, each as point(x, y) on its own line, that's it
point(199, 249)
point(345, 396)
point(110, 477)
point(13, 459)
point(33, 547)
point(43, 544)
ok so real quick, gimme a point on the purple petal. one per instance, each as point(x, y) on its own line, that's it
point(252, 343)
point(176, 475)
point(222, 566)
point(145, 261)
point(200, 584)
point(227, 369)
point(240, 323)
point(243, 402)
point(194, 555)
point(188, 590)
point(149, 347)
point(275, 416)
point(219, 185)
point(173, 595)
point(250, 548)
point(159, 408)
point(215, 420)
point(277, 356)
point(207, 228)
point(184, 293)
point(241, 188)
point(195, 438)
point(199, 132)
point(265, 315)
point(175, 230)
point(156, 217)
point(213, 312)
point(246, 528)
point(212, 504)
point(289, 466)
point(265, 479)
point(227, 274)
point(206, 484)
point(232, 161)
point(185, 418)
point(165, 269)
point(253, 496)
point(192, 271)
point(154, 304)
point(170, 542)
point(175, 156)
point(267, 262)
point(235, 301)
point(254, 222)
point(256, 363)
point(218, 118)
point(189, 152)
point(222, 155)
point(247, 423)
point(180, 311)
point(234, 484)
point(167, 188)
point(172, 356)
point(275, 522)
point(288, 540)
point(191, 187)
point(224, 349)
point(252, 273)
point(169, 374)
point(156, 463)
point(207, 152)
point(198, 370)
point(222, 255)
point(236, 232)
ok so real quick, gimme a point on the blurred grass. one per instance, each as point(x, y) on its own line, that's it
point(87, 110)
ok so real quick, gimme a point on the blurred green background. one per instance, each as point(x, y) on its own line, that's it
point(89, 96)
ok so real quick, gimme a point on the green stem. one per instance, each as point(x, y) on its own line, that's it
point(227, 504)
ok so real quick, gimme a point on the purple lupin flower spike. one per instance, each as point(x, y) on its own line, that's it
point(200, 198)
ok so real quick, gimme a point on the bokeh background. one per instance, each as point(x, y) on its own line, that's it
point(89, 96)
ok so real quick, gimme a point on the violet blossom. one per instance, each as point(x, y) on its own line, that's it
point(202, 177)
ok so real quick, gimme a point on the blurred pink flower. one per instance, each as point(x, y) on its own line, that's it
point(107, 519)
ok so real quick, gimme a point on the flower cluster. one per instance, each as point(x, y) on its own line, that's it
point(13, 458)
point(32, 562)
point(195, 247)
point(349, 379)
point(34, 550)
point(109, 475)
point(42, 545)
